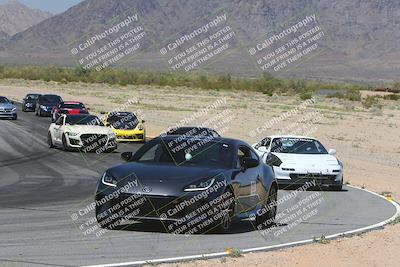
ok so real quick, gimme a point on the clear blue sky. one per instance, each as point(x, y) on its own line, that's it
point(53, 6)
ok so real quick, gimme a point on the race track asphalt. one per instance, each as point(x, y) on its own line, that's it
point(41, 189)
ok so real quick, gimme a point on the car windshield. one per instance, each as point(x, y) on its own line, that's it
point(199, 153)
point(83, 120)
point(51, 99)
point(4, 100)
point(297, 146)
point(125, 121)
point(32, 97)
point(72, 106)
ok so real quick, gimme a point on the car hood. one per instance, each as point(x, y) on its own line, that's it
point(49, 104)
point(88, 129)
point(163, 179)
point(6, 105)
point(306, 160)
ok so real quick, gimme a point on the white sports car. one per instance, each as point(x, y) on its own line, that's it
point(83, 132)
point(297, 159)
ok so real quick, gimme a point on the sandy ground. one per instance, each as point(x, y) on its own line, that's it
point(367, 141)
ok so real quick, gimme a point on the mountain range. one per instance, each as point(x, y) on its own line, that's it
point(16, 17)
point(360, 36)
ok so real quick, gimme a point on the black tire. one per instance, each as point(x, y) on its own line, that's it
point(268, 214)
point(50, 140)
point(15, 118)
point(64, 143)
point(336, 187)
point(227, 214)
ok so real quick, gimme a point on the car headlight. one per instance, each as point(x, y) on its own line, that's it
point(111, 136)
point(14, 109)
point(107, 179)
point(43, 107)
point(140, 127)
point(199, 186)
point(72, 134)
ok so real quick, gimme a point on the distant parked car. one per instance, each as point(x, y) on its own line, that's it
point(7, 108)
point(29, 102)
point(68, 107)
point(46, 103)
point(298, 159)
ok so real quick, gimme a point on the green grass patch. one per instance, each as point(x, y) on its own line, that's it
point(265, 83)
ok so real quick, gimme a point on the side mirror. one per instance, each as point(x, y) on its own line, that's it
point(12, 102)
point(102, 113)
point(143, 121)
point(126, 156)
point(273, 160)
point(88, 109)
point(263, 149)
point(248, 163)
point(332, 152)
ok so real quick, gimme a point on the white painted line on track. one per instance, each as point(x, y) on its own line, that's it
point(266, 248)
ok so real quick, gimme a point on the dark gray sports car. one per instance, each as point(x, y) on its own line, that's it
point(189, 184)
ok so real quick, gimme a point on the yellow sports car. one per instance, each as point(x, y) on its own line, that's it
point(126, 126)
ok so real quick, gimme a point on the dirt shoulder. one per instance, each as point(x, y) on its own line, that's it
point(366, 141)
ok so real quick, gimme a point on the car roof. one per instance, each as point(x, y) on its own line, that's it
point(213, 139)
point(188, 128)
point(72, 102)
point(49, 95)
point(116, 113)
point(78, 115)
point(291, 136)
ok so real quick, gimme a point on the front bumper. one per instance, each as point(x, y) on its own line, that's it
point(29, 106)
point(175, 210)
point(92, 143)
point(45, 112)
point(287, 177)
point(8, 114)
point(130, 136)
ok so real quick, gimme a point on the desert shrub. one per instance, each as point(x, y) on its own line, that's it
point(266, 83)
point(369, 101)
point(339, 95)
point(305, 95)
point(353, 95)
point(392, 97)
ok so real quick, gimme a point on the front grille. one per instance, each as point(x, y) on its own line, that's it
point(316, 176)
point(151, 207)
point(155, 206)
point(135, 136)
point(94, 141)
